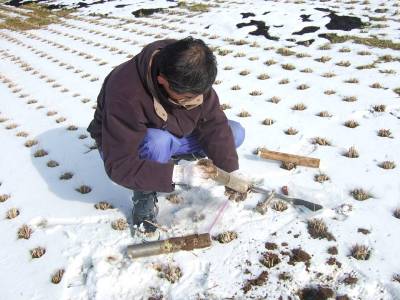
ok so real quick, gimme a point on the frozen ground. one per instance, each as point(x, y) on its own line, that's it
point(49, 80)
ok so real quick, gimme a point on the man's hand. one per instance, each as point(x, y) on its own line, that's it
point(194, 174)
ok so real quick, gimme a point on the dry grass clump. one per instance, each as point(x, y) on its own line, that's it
point(396, 213)
point(318, 230)
point(270, 62)
point(323, 59)
point(244, 72)
point(274, 99)
point(306, 70)
point(352, 152)
point(396, 277)
point(364, 53)
point(4, 197)
point(72, 128)
point(24, 232)
point(283, 81)
point(169, 272)
point(30, 143)
point(387, 165)
point(343, 63)
point(379, 108)
point(2, 120)
point(226, 237)
point(228, 68)
point(225, 106)
point(285, 52)
point(351, 124)
point(253, 58)
point(299, 106)
point(119, 224)
point(350, 279)
point(329, 92)
point(344, 50)
point(360, 252)
point(244, 114)
point(268, 121)
point(302, 55)
point(82, 136)
point(66, 176)
point(256, 93)
point(397, 91)
point(279, 205)
point(291, 131)
point(174, 198)
point(376, 85)
point(321, 141)
point(52, 164)
point(11, 126)
point(288, 67)
point(224, 52)
point(258, 281)
point(360, 194)
point(324, 114)
point(51, 113)
point(271, 246)
point(366, 67)
point(328, 75)
point(263, 76)
point(12, 213)
point(303, 87)
point(385, 133)
point(236, 87)
point(103, 205)
point(388, 71)
point(321, 178)
point(270, 259)
point(60, 120)
point(38, 252)
point(40, 153)
point(351, 80)
point(349, 98)
point(57, 276)
point(333, 250)
point(240, 54)
point(84, 189)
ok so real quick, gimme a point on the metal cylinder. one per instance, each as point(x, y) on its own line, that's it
point(145, 249)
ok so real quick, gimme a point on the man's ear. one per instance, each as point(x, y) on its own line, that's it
point(161, 80)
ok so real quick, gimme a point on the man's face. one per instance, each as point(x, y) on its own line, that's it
point(178, 98)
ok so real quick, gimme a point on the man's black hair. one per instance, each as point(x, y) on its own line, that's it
point(188, 65)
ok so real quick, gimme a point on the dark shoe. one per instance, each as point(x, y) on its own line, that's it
point(145, 209)
point(188, 156)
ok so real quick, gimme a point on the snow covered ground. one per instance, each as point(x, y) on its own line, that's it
point(315, 98)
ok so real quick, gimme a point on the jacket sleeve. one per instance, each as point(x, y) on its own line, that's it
point(215, 135)
point(122, 133)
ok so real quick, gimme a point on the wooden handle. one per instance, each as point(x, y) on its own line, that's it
point(286, 157)
point(231, 181)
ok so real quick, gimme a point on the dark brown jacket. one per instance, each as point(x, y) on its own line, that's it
point(125, 110)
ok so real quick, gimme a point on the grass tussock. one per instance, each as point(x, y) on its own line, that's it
point(84, 189)
point(291, 131)
point(38, 252)
point(387, 165)
point(288, 67)
point(329, 92)
point(302, 87)
point(270, 260)
point(4, 197)
point(256, 93)
point(360, 252)
point(119, 224)
point(349, 98)
point(174, 198)
point(324, 114)
point(12, 213)
point(193, 7)
point(103, 205)
point(385, 133)
point(268, 122)
point(360, 194)
point(24, 232)
point(299, 106)
point(279, 205)
point(379, 108)
point(352, 152)
point(321, 141)
point(368, 41)
point(236, 87)
point(318, 229)
point(396, 213)
point(321, 178)
point(225, 106)
point(30, 143)
point(351, 124)
point(244, 114)
point(40, 153)
point(66, 176)
point(263, 76)
point(226, 237)
point(57, 276)
point(169, 272)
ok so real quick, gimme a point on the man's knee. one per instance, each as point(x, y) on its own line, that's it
point(158, 145)
point(238, 131)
